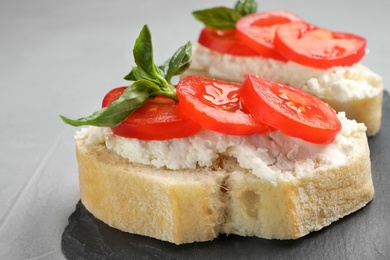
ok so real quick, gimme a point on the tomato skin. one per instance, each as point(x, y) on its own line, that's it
point(292, 111)
point(258, 31)
point(112, 95)
point(316, 47)
point(216, 105)
point(224, 41)
point(157, 119)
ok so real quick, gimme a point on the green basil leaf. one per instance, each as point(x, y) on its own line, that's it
point(179, 62)
point(149, 81)
point(134, 75)
point(221, 18)
point(164, 68)
point(246, 7)
point(143, 54)
point(184, 63)
point(131, 99)
point(137, 74)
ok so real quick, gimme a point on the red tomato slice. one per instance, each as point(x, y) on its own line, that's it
point(224, 41)
point(315, 47)
point(157, 119)
point(292, 111)
point(258, 31)
point(216, 105)
point(112, 95)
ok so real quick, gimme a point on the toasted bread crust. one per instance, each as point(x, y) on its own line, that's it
point(184, 206)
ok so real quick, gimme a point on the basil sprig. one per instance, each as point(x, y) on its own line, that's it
point(224, 18)
point(149, 80)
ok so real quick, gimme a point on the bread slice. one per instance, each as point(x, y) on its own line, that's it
point(356, 90)
point(171, 205)
point(188, 205)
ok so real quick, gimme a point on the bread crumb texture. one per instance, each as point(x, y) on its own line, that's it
point(196, 204)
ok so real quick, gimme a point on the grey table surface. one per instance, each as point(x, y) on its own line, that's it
point(61, 57)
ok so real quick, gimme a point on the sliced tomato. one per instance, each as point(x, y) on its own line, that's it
point(157, 119)
point(224, 41)
point(112, 95)
point(316, 47)
point(292, 111)
point(258, 31)
point(216, 105)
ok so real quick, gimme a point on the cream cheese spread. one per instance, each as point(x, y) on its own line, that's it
point(262, 154)
point(340, 83)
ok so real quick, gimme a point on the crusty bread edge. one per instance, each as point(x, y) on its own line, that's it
point(293, 209)
point(196, 205)
point(172, 205)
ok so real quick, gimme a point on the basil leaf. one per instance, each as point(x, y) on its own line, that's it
point(137, 74)
point(246, 7)
point(183, 64)
point(179, 62)
point(221, 18)
point(149, 81)
point(164, 68)
point(133, 75)
point(131, 99)
point(143, 54)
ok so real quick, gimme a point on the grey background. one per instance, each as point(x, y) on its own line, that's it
point(61, 57)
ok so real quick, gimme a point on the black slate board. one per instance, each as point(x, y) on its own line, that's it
point(364, 234)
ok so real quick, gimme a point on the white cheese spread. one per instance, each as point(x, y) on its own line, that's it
point(339, 83)
point(264, 155)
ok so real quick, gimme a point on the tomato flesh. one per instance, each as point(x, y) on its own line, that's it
point(258, 31)
point(224, 41)
point(216, 105)
point(316, 47)
point(292, 111)
point(157, 119)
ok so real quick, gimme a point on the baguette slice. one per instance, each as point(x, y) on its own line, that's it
point(355, 90)
point(188, 205)
point(171, 205)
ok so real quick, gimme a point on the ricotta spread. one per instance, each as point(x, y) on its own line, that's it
point(269, 156)
point(340, 83)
